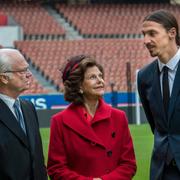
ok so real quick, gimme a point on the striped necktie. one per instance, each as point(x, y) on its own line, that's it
point(19, 115)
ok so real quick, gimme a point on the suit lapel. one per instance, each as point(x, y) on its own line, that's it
point(156, 96)
point(9, 120)
point(175, 91)
point(156, 92)
point(28, 116)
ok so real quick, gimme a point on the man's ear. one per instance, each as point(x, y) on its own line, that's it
point(172, 33)
point(4, 79)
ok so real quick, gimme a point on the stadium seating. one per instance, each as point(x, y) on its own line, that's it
point(34, 19)
point(106, 20)
point(3, 19)
point(115, 27)
point(49, 56)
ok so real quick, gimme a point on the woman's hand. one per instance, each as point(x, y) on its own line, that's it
point(97, 179)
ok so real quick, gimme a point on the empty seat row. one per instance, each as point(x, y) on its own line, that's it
point(34, 19)
point(111, 19)
point(114, 54)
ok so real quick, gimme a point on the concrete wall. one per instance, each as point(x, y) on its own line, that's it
point(9, 34)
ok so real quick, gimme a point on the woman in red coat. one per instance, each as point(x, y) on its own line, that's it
point(89, 140)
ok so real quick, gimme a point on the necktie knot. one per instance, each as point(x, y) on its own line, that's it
point(16, 104)
point(165, 69)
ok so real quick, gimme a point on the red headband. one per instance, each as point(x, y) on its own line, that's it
point(71, 66)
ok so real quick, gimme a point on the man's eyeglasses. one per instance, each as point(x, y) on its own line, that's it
point(22, 71)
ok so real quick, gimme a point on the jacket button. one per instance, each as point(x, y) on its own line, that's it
point(93, 143)
point(109, 153)
point(113, 134)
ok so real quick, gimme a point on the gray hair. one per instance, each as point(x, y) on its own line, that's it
point(5, 60)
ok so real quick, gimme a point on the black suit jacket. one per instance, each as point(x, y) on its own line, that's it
point(21, 156)
point(166, 131)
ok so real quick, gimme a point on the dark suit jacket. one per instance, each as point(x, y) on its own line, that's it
point(166, 131)
point(21, 156)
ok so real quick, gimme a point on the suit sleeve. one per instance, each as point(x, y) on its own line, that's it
point(127, 164)
point(38, 156)
point(144, 101)
point(57, 159)
point(44, 171)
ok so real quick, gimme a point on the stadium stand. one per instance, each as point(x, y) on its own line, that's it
point(113, 54)
point(111, 34)
point(110, 20)
point(35, 22)
point(34, 19)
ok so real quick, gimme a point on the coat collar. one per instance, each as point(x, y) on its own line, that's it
point(9, 120)
point(73, 117)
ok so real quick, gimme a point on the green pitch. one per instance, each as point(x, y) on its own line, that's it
point(143, 141)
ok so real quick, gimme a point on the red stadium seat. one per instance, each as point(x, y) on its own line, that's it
point(3, 20)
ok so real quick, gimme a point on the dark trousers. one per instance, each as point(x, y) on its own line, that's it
point(171, 172)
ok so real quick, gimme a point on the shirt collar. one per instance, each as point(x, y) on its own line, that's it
point(8, 100)
point(172, 63)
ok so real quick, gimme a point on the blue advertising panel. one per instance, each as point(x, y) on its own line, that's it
point(56, 101)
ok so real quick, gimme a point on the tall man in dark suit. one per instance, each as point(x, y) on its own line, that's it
point(21, 154)
point(159, 89)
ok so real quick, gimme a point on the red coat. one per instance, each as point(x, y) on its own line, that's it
point(78, 151)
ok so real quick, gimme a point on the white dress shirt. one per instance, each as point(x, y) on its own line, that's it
point(172, 65)
point(9, 101)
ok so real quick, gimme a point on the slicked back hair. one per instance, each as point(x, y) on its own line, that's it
point(166, 19)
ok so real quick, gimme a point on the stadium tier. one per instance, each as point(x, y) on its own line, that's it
point(34, 19)
point(113, 54)
point(110, 20)
point(111, 33)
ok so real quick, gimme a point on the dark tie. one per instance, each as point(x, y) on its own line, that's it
point(165, 87)
point(166, 97)
point(19, 115)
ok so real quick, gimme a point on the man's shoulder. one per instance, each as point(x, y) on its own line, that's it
point(148, 69)
point(27, 103)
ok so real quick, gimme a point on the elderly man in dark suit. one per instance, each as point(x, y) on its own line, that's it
point(159, 89)
point(21, 154)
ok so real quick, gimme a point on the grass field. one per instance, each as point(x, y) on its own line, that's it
point(143, 140)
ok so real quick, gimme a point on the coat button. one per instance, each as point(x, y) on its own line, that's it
point(113, 134)
point(109, 153)
point(93, 143)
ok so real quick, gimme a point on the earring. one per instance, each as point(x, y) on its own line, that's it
point(81, 91)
